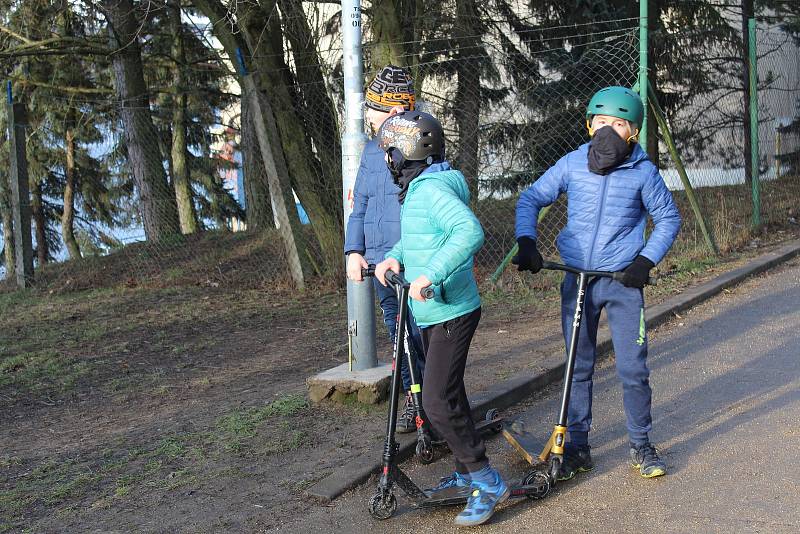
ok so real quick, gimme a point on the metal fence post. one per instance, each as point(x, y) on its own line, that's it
point(753, 67)
point(20, 193)
point(360, 295)
point(643, 63)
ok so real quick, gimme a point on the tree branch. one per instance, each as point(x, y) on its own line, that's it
point(64, 88)
point(15, 35)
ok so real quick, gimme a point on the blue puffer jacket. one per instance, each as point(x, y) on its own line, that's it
point(606, 215)
point(374, 225)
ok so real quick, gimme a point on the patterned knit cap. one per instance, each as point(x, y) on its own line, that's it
point(391, 87)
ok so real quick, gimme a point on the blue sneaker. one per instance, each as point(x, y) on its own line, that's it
point(456, 480)
point(488, 490)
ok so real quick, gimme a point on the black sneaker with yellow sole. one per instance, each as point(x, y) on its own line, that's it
point(576, 460)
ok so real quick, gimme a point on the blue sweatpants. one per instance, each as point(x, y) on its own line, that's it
point(388, 301)
point(625, 311)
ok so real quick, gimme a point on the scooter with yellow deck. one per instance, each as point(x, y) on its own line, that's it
point(551, 457)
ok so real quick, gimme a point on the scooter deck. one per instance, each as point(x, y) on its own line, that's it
point(483, 427)
point(460, 495)
point(525, 443)
point(495, 426)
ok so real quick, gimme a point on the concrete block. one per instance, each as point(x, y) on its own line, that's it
point(370, 386)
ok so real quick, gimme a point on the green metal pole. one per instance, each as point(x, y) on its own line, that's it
point(658, 113)
point(643, 39)
point(751, 31)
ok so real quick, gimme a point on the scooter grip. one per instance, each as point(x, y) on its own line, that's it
point(428, 292)
point(369, 271)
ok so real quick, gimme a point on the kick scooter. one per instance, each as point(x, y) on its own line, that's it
point(551, 457)
point(383, 504)
point(426, 440)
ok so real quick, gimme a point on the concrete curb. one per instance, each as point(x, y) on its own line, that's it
point(517, 388)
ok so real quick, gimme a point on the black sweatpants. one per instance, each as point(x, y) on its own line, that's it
point(443, 395)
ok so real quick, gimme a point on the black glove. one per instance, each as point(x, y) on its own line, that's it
point(528, 257)
point(637, 273)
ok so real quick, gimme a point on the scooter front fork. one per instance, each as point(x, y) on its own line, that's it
point(553, 452)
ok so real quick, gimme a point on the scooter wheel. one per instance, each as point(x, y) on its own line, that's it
point(425, 452)
point(382, 506)
point(492, 414)
point(554, 468)
point(541, 479)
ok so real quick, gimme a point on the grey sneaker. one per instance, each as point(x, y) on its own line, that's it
point(645, 458)
point(407, 422)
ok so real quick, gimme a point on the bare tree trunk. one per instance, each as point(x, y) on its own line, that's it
point(8, 227)
point(180, 167)
point(68, 214)
point(307, 178)
point(387, 32)
point(468, 94)
point(157, 204)
point(256, 186)
point(316, 103)
point(40, 223)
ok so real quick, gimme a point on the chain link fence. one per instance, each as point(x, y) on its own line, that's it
point(510, 110)
point(706, 111)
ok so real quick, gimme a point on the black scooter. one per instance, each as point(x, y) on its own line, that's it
point(549, 460)
point(492, 422)
point(383, 504)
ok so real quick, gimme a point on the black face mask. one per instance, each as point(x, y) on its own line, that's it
point(607, 151)
point(403, 172)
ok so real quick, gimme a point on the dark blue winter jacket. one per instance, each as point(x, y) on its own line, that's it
point(374, 225)
point(606, 215)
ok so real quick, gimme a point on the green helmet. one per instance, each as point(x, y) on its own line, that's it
point(616, 101)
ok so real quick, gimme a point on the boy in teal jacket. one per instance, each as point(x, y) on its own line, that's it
point(439, 235)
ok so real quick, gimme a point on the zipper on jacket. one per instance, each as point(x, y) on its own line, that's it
point(597, 221)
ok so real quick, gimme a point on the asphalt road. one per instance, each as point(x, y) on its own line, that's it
point(726, 407)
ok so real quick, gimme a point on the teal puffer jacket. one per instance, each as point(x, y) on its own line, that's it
point(439, 235)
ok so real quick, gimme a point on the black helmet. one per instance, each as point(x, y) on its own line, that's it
point(417, 135)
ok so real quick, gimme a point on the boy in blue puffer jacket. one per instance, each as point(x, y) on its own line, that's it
point(374, 225)
point(439, 235)
point(611, 188)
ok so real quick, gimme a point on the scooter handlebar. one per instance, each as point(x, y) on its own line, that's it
point(397, 280)
point(615, 275)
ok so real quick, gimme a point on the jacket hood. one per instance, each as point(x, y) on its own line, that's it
point(443, 173)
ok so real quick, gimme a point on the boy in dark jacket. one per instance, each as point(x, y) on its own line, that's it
point(611, 188)
point(374, 225)
point(439, 236)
